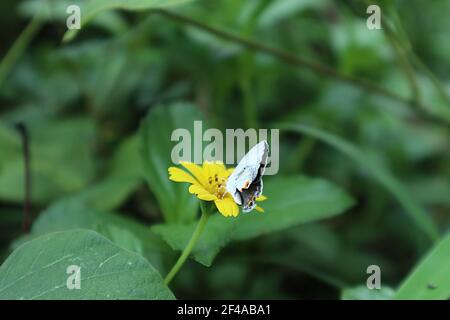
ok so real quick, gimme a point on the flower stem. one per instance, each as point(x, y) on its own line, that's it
point(191, 244)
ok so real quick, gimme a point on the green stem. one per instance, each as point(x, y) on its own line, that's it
point(191, 244)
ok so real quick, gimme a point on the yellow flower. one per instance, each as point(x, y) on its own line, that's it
point(208, 183)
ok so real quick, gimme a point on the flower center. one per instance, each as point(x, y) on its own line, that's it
point(217, 186)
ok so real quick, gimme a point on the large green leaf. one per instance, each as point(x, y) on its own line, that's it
point(291, 201)
point(379, 173)
point(38, 270)
point(91, 8)
point(156, 130)
point(431, 278)
point(70, 214)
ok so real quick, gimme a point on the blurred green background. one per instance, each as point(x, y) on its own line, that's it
point(365, 110)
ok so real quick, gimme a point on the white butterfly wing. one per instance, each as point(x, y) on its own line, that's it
point(247, 170)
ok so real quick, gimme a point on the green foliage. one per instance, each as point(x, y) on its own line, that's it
point(37, 270)
point(363, 148)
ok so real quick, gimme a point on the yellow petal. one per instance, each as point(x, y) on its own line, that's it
point(196, 171)
point(209, 168)
point(227, 207)
point(201, 192)
point(178, 175)
point(222, 170)
point(261, 198)
point(216, 168)
point(259, 209)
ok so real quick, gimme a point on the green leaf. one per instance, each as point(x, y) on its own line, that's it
point(109, 193)
point(291, 201)
point(217, 233)
point(70, 214)
point(378, 172)
point(91, 8)
point(176, 203)
point(124, 177)
point(127, 160)
point(430, 279)
point(38, 270)
point(364, 293)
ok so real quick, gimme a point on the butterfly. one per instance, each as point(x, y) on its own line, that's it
point(245, 183)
